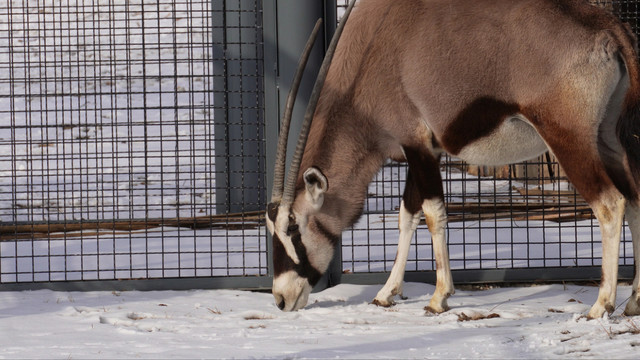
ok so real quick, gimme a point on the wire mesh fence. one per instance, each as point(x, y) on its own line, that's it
point(107, 143)
point(132, 147)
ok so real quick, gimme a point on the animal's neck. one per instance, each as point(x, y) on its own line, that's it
point(344, 147)
point(344, 142)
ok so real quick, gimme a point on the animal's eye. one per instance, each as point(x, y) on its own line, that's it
point(292, 228)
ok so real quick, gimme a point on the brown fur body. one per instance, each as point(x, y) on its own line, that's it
point(451, 75)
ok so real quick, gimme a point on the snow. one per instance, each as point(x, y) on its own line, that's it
point(516, 322)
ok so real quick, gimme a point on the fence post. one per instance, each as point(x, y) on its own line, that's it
point(334, 273)
point(287, 25)
point(238, 104)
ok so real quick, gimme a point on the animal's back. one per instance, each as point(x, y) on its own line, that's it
point(435, 57)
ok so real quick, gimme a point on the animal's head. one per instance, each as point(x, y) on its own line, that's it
point(302, 248)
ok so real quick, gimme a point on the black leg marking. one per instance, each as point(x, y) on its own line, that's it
point(423, 179)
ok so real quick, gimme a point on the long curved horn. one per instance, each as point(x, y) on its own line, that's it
point(281, 153)
point(290, 184)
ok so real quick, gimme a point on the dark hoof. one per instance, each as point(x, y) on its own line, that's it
point(378, 303)
point(431, 310)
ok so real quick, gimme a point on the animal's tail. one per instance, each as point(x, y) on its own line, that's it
point(628, 128)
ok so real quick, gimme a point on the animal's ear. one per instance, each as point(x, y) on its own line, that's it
point(316, 184)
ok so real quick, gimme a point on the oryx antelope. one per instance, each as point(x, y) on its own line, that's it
point(489, 81)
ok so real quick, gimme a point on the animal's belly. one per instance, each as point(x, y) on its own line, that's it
point(513, 141)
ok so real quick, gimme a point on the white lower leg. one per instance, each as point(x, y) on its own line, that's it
point(436, 217)
point(609, 215)
point(633, 218)
point(407, 224)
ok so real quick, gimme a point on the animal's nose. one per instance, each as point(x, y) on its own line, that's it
point(281, 304)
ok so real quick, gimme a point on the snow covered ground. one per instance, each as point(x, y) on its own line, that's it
point(517, 322)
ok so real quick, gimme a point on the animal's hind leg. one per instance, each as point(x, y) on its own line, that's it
point(577, 152)
point(609, 212)
point(608, 206)
point(633, 218)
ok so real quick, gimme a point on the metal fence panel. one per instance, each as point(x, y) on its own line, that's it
point(108, 160)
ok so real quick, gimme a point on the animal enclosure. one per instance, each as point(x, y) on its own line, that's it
point(109, 163)
point(132, 147)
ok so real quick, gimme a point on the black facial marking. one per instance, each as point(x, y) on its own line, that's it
point(304, 268)
point(283, 263)
point(292, 229)
point(272, 211)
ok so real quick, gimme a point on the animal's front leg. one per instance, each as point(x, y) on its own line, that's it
point(633, 218)
point(407, 223)
point(609, 213)
point(436, 217)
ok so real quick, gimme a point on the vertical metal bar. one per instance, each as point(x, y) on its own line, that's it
point(272, 102)
point(287, 24)
point(334, 273)
point(239, 122)
point(221, 107)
